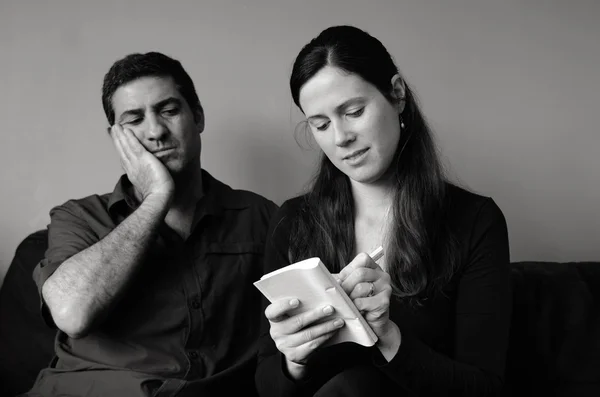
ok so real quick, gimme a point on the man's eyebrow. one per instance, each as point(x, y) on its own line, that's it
point(340, 107)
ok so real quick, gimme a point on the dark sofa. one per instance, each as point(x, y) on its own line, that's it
point(554, 344)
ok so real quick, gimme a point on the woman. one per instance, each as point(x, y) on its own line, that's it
point(439, 300)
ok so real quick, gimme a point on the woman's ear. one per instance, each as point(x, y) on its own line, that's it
point(399, 92)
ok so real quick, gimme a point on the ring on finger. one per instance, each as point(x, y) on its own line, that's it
point(371, 290)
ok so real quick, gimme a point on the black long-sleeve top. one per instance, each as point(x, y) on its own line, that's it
point(454, 344)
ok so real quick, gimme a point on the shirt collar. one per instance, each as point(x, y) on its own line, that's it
point(217, 197)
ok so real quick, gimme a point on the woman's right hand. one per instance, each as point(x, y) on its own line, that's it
point(298, 336)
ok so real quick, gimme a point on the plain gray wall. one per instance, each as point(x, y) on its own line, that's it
point(511, 87)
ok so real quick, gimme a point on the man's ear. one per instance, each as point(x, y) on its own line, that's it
point(199, 117)
point(399, 92)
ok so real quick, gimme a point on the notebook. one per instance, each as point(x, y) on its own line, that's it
point(311, 282)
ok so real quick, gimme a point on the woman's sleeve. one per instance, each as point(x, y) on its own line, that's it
point(271, 377)
point(483, 312)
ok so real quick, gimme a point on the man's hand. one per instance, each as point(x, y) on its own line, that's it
point(147, 174)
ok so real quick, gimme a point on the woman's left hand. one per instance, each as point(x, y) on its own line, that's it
point(369, 287)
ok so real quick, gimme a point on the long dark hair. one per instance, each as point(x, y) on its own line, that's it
point(420, 251)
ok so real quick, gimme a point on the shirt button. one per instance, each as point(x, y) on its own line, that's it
point(193, 355)
point(196, 303)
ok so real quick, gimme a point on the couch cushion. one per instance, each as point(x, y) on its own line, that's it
point(26, 342)
point(554, 347)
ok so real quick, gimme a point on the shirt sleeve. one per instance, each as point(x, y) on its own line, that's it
point(68, 234)
point(483, 312)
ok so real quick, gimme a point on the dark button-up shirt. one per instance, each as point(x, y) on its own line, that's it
point(188, 323)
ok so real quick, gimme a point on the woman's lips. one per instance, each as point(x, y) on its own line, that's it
point(356, 156)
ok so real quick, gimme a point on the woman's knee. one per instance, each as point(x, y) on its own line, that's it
point(356, 381)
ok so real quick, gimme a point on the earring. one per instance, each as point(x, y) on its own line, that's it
point(402, 126)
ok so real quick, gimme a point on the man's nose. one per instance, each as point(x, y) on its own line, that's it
point(156, 130)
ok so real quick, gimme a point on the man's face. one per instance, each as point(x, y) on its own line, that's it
point(161, 119)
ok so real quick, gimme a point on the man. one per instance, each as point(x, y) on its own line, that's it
point(150, 286)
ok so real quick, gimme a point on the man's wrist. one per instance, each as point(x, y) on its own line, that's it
point(158, 200)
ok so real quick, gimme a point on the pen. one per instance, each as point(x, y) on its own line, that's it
point(377, 254)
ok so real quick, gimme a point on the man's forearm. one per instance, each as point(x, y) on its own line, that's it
point(84, 287)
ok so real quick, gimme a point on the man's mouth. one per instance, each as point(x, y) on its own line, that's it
point(162, 150)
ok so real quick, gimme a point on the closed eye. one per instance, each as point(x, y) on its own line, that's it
point(135, 121)
point(322, 127)
point(356, 113)
point(170, 112)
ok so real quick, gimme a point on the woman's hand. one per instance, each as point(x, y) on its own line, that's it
point(298, 336)
point(369, 287)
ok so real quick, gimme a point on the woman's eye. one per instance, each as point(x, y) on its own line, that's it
point(322, 127)
point(356, 113)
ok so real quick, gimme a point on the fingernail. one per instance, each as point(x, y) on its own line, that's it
point(294, 302)
point(328, 310)
point(338, 323)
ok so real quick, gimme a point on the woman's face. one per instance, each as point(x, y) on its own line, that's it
point(357, 128)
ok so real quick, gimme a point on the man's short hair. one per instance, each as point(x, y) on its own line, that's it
point(135, 66)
